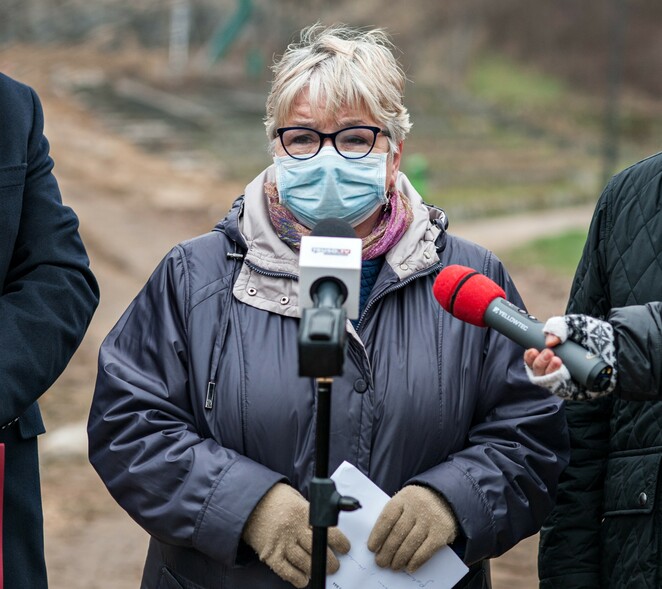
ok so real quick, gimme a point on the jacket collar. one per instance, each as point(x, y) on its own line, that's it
point(268, 277)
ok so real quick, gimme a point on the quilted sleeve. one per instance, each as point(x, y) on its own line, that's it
point(638, 332)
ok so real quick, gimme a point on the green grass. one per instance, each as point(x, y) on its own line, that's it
point(499, 80)
point(509, 148)
point(559, 254)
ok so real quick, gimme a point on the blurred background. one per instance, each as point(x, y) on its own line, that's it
point(154, 110)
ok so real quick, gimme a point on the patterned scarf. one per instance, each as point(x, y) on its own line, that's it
point(394, 220)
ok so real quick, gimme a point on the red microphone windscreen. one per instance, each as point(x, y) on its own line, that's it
point(465, 293)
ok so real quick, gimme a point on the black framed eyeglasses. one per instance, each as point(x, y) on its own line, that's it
point(353, 143)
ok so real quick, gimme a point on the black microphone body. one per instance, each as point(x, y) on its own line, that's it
point(524, 329)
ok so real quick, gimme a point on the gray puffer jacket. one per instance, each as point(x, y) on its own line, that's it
point(424, 398)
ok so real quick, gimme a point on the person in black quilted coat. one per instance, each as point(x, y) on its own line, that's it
point(606, 528)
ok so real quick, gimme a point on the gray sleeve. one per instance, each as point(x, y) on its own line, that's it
point(181, 487)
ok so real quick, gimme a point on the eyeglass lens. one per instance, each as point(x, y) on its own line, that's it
point(352, 142)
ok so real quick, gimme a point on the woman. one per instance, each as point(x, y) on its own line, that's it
point(201, 427)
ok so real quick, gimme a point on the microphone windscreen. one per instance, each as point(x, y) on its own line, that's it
point(465, 293)
point(333, 227)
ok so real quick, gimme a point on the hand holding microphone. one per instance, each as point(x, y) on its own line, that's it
point(546, 369)
point(474, 298)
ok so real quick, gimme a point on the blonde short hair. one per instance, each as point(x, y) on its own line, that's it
point(341, 67)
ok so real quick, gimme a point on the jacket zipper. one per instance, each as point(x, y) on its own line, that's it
point(271, 273)
point(397, 286)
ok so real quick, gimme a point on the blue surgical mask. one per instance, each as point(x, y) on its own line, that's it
point(331, 186)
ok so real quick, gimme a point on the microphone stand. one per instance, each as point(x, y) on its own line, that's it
point(322, 340)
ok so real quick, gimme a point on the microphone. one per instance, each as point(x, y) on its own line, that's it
point(330, 267)
point(474, 298)
point(329, 288)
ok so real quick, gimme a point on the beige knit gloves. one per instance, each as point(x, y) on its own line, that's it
point(413, 525)
point(279, 532)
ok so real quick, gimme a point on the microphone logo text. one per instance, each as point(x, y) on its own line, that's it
point(331, 251)
point(510, 318)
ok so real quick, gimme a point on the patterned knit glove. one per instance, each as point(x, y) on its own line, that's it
point(413, 525)
point(278, 531)
point(593, 334)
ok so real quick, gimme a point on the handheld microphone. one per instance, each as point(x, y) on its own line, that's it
point(329, 288)
point(476, 299)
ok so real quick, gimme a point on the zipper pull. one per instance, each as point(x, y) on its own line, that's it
point(211, 390)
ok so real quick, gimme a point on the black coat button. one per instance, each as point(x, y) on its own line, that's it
point(643, 499)
point(360, 385)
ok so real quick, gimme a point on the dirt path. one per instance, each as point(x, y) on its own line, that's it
point(132, 212)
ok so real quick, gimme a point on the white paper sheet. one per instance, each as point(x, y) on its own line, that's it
point(357, 568)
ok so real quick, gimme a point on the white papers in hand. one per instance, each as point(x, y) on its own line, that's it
point(357, 568)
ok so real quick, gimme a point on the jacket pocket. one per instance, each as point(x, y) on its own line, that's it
point(630, 538)
point(168, 581)
point(631, 484)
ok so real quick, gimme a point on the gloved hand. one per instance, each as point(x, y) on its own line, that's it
point(545, 369)
point(279, 532)
point(414, 524)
